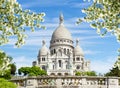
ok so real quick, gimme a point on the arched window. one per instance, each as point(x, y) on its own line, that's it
point(52, 74)
point(65, 50)
point(81, 59)
point(44, 67)
point(54, 51)
point(66, 73)
point(43, 59)
point(59, 74)
point(51, 52)
point(73, 59)
point(60, 63)
point(77, 59)
point(78, 67)
point(53, 67)
point(57, 40)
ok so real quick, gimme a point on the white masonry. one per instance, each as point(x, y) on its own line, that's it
point(62, 58)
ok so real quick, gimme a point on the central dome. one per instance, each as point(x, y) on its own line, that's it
point(61, 32)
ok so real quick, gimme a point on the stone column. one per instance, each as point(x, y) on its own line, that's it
point(64, 65)
point(59, 83)
point(31, 83)
point(112, 82)
point(71, 63)
point(84, 83)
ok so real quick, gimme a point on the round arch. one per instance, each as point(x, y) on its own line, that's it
point(66, 74)
point(52, 74)
point(59, 74)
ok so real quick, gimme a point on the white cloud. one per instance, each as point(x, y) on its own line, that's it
point(89, 52)
point(12, 41)
point(35, 38)
point(44, 3)
point(81, 5)
point(37, 42)
point(22, 61)
point(50, 25)
point(28, 5)
point(103, 66)
point(69, 23)
point(40, 33)
point(90, 37)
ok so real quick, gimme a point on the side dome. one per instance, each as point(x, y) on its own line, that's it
point(44, 50)
point(78, 50)
point(61, 32)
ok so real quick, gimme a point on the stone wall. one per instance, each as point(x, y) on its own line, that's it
point(67, 82)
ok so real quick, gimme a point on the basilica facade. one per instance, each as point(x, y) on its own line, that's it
point(62, 57)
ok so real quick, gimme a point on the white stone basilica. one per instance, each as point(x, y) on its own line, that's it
point(62, 58)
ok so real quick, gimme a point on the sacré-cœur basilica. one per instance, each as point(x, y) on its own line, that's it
point(62, 58)
point(61, 61)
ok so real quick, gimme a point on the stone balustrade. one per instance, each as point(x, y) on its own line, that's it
point(67, 82)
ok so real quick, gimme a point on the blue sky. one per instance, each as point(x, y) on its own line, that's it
point(102, 52)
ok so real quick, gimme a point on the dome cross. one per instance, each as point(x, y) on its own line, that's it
point(77, 42)
point(61, 18)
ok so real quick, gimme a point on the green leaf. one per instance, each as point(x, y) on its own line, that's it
point(93, 25)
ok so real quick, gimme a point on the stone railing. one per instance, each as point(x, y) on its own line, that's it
point(67, 82)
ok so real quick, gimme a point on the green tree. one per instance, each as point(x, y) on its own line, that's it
point(104, 15)
point(7, 68)
point(90, 73)
point(117, 63)
point(115, 71)
point(13, 20)
point(6, 84)
point(12, 69)
point(31, 71)
point(37, 71)
point(5, 73)
point(24, 70)
point(5, 61)
point(78, 73)
point(87, 73)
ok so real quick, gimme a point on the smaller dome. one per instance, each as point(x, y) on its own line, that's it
point(78, 50)
point(44, 50)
